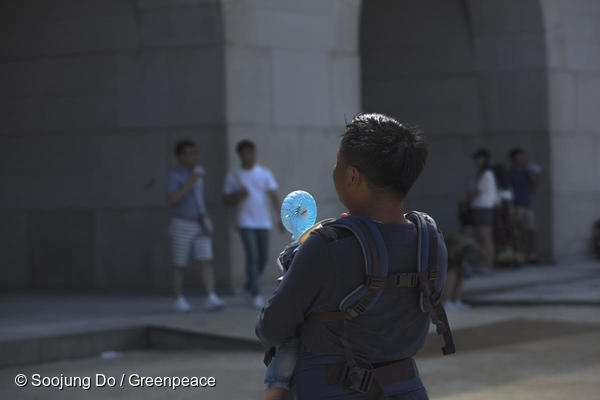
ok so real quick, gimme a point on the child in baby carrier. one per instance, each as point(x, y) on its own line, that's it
point(281, 360)
point(280, 369)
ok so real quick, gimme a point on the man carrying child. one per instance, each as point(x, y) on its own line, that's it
point(378, 161)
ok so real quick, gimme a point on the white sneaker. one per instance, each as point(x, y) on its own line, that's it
point(213, 302)
point(182, 305)
point(258, 302)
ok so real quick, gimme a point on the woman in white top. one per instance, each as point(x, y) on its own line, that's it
point(483, 198)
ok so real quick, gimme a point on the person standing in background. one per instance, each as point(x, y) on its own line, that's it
point(463, 253)
point(524, 180)
point(251, 188)
point(482, 199)
point(506, 236)
point(190, 227)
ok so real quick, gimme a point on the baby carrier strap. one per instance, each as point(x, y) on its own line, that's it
point(376, 268)
point(430, 285)
point(350, 375)
point(369, 381)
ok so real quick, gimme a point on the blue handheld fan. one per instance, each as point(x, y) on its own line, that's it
point(298, 212)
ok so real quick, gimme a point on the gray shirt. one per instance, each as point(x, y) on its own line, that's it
point(192, 204)
point(327, 267)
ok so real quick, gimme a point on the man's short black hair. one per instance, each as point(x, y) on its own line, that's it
point(244, 144)
point(389, 154)
point(482, 153)
point(182, 145)
point(515, 152)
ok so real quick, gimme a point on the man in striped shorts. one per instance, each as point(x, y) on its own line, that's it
point(190, 227)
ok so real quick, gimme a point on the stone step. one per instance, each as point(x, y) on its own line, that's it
point(94, 343)
point(42, 349)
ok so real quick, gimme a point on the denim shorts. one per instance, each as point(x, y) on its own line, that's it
point(280, 370)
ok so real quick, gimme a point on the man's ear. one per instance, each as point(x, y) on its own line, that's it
point(354, 176)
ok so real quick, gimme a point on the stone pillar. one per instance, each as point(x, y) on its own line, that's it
point(292, 73)
point(573, 60)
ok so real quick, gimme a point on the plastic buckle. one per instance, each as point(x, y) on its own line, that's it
point(361, 379)
point(351, 313)
point(373, 282)
point(410, 280)
point(414, 280)
point(359, 308)
point(357, 379)
point(440, 328)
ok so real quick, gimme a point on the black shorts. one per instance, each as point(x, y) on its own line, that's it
point(482, 216)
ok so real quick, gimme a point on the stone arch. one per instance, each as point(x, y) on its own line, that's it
point(470, 74)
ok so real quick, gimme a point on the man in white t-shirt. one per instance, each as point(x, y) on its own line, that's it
point(252, 188)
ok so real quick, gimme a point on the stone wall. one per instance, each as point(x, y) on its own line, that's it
point(93, 96)
point(292, 76)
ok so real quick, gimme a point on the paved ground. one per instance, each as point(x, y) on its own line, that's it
point(557, 284)
point(514, 345)
point(558, 365)
point(32, 316)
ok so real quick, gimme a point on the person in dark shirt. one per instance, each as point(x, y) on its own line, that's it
point(378, 161)
point(524, 179)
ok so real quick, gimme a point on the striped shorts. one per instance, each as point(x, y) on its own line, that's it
point(185, 236)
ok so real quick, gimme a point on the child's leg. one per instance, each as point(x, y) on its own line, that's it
point(277, 393)
point(280, 370)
